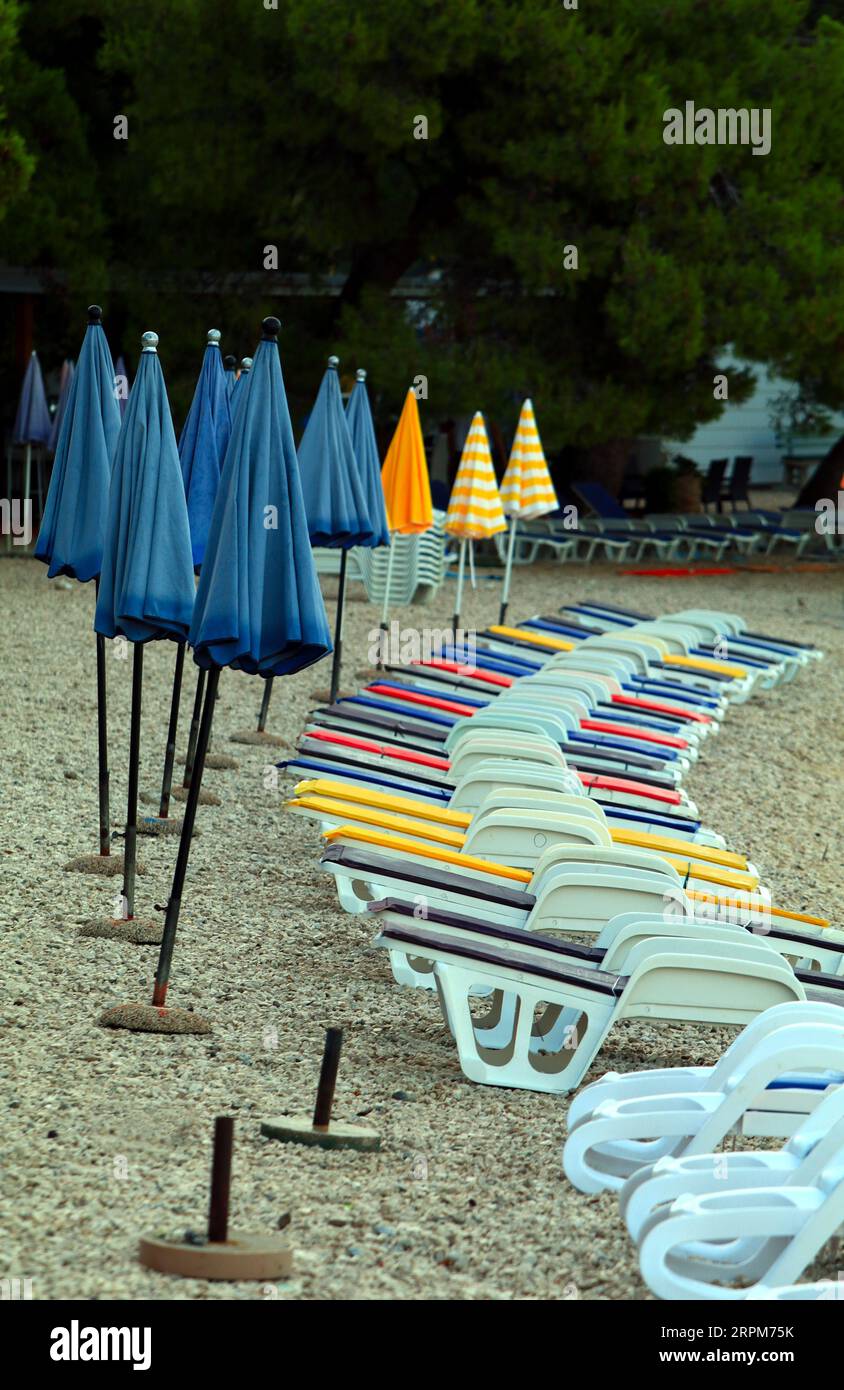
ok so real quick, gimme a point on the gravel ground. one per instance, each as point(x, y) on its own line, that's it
point(107, 1134)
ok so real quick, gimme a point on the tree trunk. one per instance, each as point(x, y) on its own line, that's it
point(826, 479)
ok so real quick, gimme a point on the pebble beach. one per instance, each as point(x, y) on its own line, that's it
point(107, 1134)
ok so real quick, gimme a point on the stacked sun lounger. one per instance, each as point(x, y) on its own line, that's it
point(419, 565)
point(711, 1224)
point(515, 826)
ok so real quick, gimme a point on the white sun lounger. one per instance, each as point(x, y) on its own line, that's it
point(761, 1224)
point(563, 1014)
point(621, 1124)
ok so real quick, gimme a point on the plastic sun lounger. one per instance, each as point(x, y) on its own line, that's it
point(579, 732)
point(577, 1007)
point(736, 681)
point(701, 637)
point(584, 894)
point(331, 803)
point(762, 1085)
point(506, 833)
point(480, 745)
point(763, 1226)
point(611, 946)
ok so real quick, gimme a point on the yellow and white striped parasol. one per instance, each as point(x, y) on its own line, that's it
point(527, 491)
point(474, 508)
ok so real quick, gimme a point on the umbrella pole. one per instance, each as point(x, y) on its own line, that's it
point(265, 704)
point(102, 749)
point(386, 607)
point(130, 860)
point(27, 474)
point(194, 729)
point(174, 902)
point(508, 571)
point(461, 572)
point(170, 751)
point(338, 632)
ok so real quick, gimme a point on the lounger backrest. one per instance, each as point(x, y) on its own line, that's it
point(566, 704)
point(678, 979)
point(617, 954)
point(476, 749)
point(522, 720)
point(593, 687)
point(612, 644)
point(492, 773)
point(528, 797)
point(578, 898)
point(674, 635)
point(518, 837)
point(603, 854)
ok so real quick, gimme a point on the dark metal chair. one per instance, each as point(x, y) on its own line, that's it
point(713, 483)
point(738, 483)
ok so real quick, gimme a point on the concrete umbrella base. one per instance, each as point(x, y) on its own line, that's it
point(260, 738)
point(220, 762)
point(148, 1018)
point(241, 1256)
point(107, 865)
point(154, 825)
point(205, 798)
point(142, 931)
point(300, 1129)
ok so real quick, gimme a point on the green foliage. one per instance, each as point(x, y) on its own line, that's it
point(294, 127)
point(16, 162)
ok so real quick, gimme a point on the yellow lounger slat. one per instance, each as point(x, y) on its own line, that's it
point(400, 825)
point(401, 805)
point(539, 639)
point(442, 856)
point(664, 845)
point(758, 905)
point(703, 663)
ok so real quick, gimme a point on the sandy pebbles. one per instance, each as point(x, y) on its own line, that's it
point(107, 1133)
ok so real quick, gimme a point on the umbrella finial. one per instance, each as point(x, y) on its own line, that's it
point(95, 313)
point(150, 341)
point(360, 374)
point(246, 364)
point(333, 363)
point(214, 336)
point(230, 362)
point(272, 328)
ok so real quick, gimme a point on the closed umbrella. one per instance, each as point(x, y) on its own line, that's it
point(336, 501)
point(32, 420)
point(240, 383)
point(526, 488)
point(70, 540)
point(230, 364)
point(61, 405)
point(202, 448)
point(474, 508)
point(147, 581)
point(406, 487)
point(362, 430)
point(258, 607)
